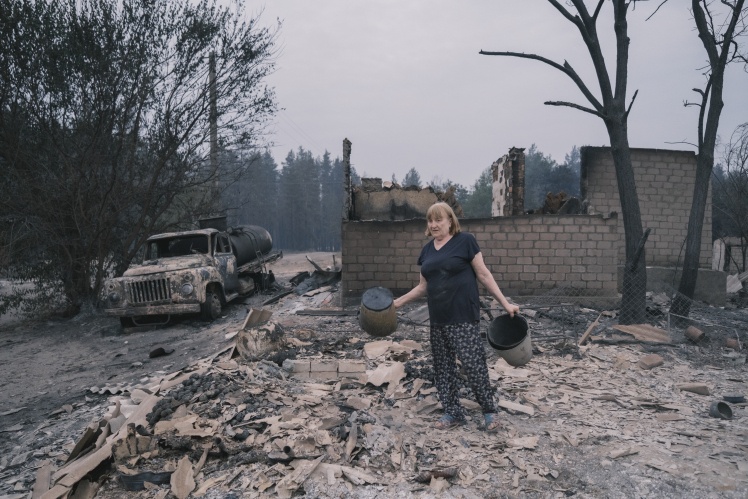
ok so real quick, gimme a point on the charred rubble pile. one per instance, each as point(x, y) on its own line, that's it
point(349, 415)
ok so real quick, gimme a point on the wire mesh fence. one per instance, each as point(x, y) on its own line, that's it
point(722, 327)
point(562, 318)
point(559, 318)
point(567, 316)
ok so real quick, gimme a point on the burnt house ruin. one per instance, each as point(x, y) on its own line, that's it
point(534, 254)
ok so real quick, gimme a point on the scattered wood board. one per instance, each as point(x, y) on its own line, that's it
point(645, 332)
point(699, 388)
point(589, 330)
point(255, 317)
point(513, 406)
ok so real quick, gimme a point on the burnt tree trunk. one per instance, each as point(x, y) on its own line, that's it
point(681, 306)
point(615, 116)
point(76, 284)
point(633, 296)
point(718, 49)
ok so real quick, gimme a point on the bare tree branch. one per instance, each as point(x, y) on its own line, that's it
point(565, 68)
point(597, 10)
point(575, 106)
point(683, 142)
point(523, 55)
point(631, 104)
point(705, 95)
point(564, 12)
point(658, 8)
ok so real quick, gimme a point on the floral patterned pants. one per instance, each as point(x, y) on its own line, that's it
point(463, 342)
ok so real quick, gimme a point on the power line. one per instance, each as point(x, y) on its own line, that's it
point(284, 116)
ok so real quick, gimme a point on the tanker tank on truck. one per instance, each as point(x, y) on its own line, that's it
point(196, 271)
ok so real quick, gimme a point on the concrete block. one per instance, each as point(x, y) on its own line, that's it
point(296, 366)
point(323, 375)
point(324, 366)
point(351, 366)
point(317, 376)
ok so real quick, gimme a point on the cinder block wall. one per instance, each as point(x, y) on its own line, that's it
point(664, 184)
point(528, 255)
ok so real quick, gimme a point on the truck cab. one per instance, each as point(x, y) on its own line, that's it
point(194, 271)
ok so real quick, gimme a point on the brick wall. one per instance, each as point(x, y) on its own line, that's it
point(664, 184)
point(528, 254)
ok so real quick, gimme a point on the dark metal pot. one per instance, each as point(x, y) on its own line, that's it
point(377, 314)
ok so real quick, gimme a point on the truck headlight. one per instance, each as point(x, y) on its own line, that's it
point(113, 297)
point(187, 289)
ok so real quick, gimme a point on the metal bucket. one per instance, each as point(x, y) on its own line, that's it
point(510, 336)
point(377, 313)
point(720, 410)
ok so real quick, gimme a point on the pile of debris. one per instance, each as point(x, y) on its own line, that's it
point(310, 283)
point(347, 415)
point(228, 424)
point(560, 203)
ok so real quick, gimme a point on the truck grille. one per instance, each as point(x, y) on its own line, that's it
point(150, 291)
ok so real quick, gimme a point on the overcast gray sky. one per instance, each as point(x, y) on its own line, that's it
point(404, 82)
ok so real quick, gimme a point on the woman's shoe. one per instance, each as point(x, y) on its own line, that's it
point(492, 422)
point(446, 422)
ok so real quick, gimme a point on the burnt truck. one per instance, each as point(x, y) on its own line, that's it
point(196, 271)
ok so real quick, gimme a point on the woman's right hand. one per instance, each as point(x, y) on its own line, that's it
point(512, 309)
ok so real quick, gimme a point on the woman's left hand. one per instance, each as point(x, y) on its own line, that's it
point(512, 309)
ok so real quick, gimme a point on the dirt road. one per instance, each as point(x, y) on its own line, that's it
point(47, 365)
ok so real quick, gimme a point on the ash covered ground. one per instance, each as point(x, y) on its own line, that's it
point(586, 421)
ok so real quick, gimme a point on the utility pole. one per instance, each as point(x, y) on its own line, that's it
point(213, 118)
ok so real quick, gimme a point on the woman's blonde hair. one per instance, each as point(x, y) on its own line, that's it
point(441, 210)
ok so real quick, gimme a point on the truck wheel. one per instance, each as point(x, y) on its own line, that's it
point(211, 309)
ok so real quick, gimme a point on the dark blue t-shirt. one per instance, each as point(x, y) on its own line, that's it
point(452, 289)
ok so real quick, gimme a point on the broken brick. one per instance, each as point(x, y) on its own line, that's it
point(651, 361)
point(694, 334)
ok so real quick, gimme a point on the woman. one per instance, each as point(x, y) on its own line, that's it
point(451, 267)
